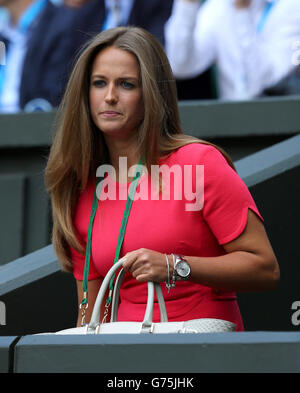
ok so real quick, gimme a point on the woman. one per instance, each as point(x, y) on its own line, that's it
point(120, 106)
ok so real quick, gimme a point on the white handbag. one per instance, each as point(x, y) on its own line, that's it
point(202, 325)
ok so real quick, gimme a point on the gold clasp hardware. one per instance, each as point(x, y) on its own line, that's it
point(105, 313)
point(83, 307)
point(107, 304)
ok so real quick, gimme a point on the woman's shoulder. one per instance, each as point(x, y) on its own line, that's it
point(196, 153)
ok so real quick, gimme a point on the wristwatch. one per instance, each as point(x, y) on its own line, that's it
point(182, 268)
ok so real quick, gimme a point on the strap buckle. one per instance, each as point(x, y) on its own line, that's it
point(107, 304)
point(83, 307)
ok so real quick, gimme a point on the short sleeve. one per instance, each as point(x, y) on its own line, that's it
point(226, 198)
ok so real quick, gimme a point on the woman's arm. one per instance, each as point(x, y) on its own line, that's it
point(190, 39)
point(249, 265)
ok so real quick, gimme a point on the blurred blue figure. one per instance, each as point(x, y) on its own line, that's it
point(3, 14)
point(37, 37)
point(97, 15)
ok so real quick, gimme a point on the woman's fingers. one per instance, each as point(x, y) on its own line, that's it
point(145, 265)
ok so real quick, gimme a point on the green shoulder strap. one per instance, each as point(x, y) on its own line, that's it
point(129, 201)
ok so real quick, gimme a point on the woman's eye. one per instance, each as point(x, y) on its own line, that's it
point(127, 85)
point(98, 83)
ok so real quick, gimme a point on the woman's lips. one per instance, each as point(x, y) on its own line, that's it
point(110, 114)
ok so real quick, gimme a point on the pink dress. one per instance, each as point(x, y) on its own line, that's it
point(173, 223)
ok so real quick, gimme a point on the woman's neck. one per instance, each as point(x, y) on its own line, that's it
point(123, 155)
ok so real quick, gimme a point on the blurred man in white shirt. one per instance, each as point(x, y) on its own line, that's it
point(251, 42)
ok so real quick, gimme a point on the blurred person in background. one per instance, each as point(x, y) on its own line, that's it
point(42, 38)
point(37, 41)
point(105, 14)
point(250, 41)
point(150, 15)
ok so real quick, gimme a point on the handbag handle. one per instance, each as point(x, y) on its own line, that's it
point(147, 322)
point(116, 293)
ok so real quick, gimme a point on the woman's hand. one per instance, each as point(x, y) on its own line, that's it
point(147, 265)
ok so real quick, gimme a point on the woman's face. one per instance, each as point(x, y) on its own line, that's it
point(116, 97)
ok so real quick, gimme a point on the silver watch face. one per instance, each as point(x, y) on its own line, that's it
point(183, 269)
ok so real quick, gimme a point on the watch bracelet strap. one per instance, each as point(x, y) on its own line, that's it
point(174, 271)
point(175, 274)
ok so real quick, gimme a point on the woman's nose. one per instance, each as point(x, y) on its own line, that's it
point(111, 95)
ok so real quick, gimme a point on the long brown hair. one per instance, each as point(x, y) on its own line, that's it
point(78, 147)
